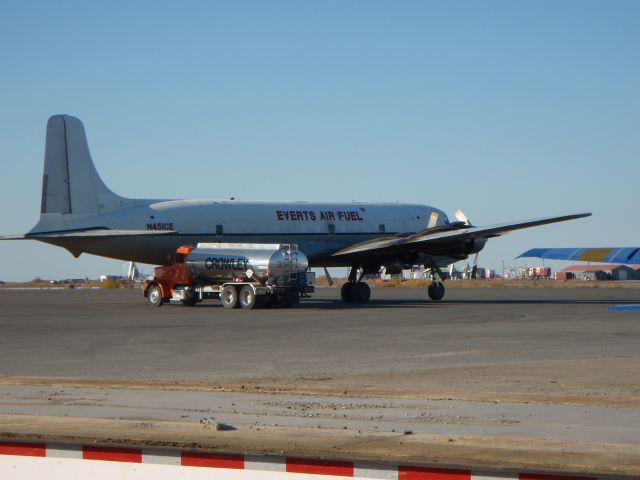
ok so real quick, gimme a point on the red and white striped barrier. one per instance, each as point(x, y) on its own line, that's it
point(37, 460)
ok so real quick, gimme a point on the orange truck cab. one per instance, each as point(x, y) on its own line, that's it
point(169, 278)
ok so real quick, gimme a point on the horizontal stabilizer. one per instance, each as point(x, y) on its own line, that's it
point(623, 255)
point(100, 233)
point(422, 239)
point(13, 237)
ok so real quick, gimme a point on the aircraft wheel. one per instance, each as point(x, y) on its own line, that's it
point(229, 297)
point(362, 292)
point(436, 291)
point(154, 296)
point(347, 292)
point(247, 297)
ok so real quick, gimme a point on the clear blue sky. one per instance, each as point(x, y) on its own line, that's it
point(508, 110)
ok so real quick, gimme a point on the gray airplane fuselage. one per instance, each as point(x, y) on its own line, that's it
point(319, 229)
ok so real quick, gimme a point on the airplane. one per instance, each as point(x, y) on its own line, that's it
point(81, 214)
point(622, 255)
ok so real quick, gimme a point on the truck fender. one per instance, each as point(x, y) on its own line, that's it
point(148, 285)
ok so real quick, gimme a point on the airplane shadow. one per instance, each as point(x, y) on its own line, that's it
point(335, 304)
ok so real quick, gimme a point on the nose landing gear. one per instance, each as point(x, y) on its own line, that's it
point(436, 289)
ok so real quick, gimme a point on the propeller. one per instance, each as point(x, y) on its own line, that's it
point(461, 217)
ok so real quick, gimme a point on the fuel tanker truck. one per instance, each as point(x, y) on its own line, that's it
point(240, 275)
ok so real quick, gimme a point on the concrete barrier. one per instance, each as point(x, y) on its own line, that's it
point(28, 460)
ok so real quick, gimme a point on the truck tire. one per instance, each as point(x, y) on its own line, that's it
point(247, 297)
point(154, 296)
point(229, 297)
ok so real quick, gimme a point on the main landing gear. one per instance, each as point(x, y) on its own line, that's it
point(436, 289)
point(355, 291)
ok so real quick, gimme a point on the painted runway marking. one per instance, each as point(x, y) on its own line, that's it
point(625, 308)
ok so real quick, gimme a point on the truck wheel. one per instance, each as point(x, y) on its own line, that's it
point(154, 296)
point(247, 297)
point(229, 297)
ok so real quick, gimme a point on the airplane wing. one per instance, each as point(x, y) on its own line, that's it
point(422, 240)
point(91, 233)
point(625, 255)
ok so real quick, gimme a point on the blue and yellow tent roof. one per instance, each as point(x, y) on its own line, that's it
point(624, 255)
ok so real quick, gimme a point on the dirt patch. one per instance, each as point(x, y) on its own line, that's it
point(612, 382)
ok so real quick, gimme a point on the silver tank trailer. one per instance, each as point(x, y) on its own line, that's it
point(265, 263)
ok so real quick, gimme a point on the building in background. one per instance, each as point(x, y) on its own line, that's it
point(599, 272)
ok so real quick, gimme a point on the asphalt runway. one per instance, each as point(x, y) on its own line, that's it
point(547, 345)
point(543, 377)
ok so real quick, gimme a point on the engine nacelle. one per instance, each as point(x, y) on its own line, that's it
point(477, 244)
point(394, 268)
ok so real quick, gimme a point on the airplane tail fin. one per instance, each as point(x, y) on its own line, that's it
point(70, 183)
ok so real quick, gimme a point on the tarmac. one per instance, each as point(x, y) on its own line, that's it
point(551, 372)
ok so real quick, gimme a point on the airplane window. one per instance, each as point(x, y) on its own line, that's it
point(219, 230)
point(331, 228)
point(381, 228)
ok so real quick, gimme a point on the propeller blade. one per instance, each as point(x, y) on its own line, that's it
point(433, 220)
point(461, 217)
